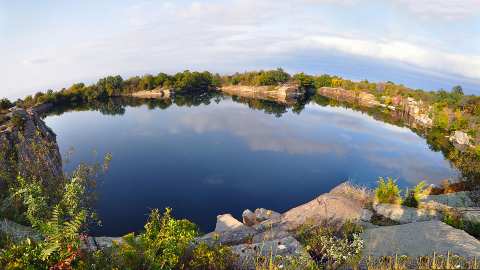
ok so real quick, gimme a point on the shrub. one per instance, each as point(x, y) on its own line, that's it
point(333, 246)
point(218, 257)
point(413, 197)
point(161, 246)
point(387, 191)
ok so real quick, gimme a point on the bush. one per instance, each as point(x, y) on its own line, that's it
point(218, 257)
point(332, 245)
point(413, 197)
point(387, 191)
point(161, 246)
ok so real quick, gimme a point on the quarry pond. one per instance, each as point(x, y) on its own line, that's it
point(221, 155)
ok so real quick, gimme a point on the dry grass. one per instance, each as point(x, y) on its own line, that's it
point(359, 193)
point(435, 261)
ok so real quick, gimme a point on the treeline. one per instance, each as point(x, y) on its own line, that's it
point(257, 78)
point(182, 82)
point(451, 110)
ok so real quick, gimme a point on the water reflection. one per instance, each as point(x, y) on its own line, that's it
point(209, 154)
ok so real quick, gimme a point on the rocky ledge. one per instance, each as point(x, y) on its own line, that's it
point(29, 148)
point(420, 231)
point(286, 93)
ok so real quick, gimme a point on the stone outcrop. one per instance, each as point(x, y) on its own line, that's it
point(351, 96)
point(413, 109)
point(419, 239)
point(286, 93)
point(418, 111)
point(158, 93)
point(403, 214)
point(29, 148)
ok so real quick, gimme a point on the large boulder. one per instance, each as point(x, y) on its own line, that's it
point(419, 239)
point(403, 214)
point(327, 208)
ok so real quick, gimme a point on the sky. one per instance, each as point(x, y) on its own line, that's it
point(429, 44)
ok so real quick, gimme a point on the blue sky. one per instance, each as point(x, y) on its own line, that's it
point(422, 43)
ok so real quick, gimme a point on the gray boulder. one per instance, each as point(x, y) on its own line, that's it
point(419, 239)
point(403, 214)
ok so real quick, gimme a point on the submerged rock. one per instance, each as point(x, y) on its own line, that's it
point(419, 239)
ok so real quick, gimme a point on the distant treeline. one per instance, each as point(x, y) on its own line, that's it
point(451, 110)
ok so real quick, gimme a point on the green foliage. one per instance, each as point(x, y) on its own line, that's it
point(218, 257)
point(258, 78)
point(333, 246)
point(387, 191)
point(161, 246)
point(414, 196)
point(5, 104)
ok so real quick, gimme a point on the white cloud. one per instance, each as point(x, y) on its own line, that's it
point(442, 9)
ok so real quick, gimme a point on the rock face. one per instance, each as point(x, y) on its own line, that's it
point(153, 94)
point(362, 98)
point(286, 93)
point(403, 214)
point(29, 148)
point(419, 239)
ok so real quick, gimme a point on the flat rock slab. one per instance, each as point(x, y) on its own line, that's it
point(419, 239)
point(456, 199)
point(403, 214)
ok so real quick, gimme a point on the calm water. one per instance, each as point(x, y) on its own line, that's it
point(225, 157)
